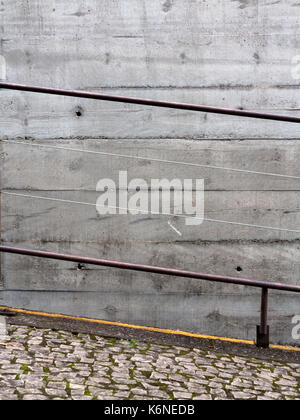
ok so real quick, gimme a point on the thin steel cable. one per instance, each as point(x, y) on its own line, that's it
point(153, 213)
point(154, 159)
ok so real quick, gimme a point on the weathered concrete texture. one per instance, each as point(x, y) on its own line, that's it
point(42, 364)
point(148, 299)
point(233, 54)
point(216, 313)
point(26, 162)
point(42, 116)
point(195, 51)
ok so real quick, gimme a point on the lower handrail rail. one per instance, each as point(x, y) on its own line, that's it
point(262, 339)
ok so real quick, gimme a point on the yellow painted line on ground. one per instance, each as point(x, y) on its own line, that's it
point(287, 348)
point(141, 327)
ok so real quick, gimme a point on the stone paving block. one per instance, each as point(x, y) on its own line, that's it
point(33, 397)
point(56, 392)
point(182, 395)
point(58, 365)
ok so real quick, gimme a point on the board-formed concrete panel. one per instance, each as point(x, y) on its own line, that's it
point(239, 54)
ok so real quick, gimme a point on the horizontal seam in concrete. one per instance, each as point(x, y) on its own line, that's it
point(191, 139)
point(176, 242)
point(259, 140)
point(193, 190)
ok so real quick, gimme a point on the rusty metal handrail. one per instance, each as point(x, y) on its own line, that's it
point(262, 339)
point(149, 102)
point(262, 329)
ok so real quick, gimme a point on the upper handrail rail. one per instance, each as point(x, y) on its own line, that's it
point(150, 102)
point(151, 269)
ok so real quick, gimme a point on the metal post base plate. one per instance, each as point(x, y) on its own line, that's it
point(262, 336)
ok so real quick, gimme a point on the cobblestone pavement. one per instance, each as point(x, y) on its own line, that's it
point(47, 364)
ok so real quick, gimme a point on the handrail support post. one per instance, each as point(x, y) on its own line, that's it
point(263, 330)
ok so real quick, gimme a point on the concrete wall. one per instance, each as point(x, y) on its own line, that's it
point(229, 53)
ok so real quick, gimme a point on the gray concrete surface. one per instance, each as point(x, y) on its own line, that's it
point(42, 364)
point(233, 54)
